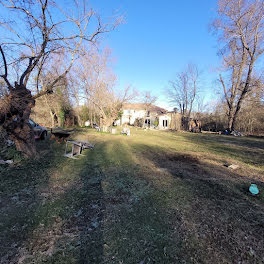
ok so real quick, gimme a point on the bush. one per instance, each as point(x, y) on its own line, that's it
point(156, 123)
point(139, 122)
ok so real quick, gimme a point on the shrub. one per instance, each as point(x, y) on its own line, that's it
point(139, 122)
point(156, 123)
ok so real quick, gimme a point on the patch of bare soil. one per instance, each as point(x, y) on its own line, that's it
point(181, 158)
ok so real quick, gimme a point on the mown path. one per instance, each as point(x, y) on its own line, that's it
point(154, 197)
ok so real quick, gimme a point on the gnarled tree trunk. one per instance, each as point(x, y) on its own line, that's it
point(14, 117)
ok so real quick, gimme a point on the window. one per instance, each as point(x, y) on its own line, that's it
point(165, 123)
point(147, 121)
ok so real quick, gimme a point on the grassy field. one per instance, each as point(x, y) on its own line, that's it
point(153, 197)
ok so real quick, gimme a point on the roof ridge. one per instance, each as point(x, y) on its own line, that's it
point(139, 105)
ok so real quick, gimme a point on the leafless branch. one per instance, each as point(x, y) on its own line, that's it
point(4, 76)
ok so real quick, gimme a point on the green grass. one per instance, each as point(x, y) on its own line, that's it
point(153, 197)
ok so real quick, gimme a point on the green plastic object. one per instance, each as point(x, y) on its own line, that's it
point(254, 189)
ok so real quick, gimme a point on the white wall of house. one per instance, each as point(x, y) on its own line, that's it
point(164, 121)
point(129, 116)
point(117, 122)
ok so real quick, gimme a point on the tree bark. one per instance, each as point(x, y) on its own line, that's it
point(52, 116)
point(24, 140)
point(14, 117)
point(79, 120)
point(230, 123)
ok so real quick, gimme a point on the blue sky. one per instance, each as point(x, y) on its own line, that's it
point(158, 39)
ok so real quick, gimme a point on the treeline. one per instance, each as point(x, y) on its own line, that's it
point(239, 26)
point(250, 119)
point(88, 92)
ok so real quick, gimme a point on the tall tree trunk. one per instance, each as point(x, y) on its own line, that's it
point(90, 117)
point(52, 118)
point(231, 116)
point(80, 123)
point(14, 118)
point(233, 123)
point(94, 120)
point(51, 111)
point(230, 122)
point(79, 120)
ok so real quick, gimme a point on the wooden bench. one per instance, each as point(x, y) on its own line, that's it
point(77, 148)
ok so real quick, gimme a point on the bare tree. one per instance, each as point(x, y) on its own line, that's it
point(148, 100)
point(96, 83)
point(95, 86)
point(241, 28)
point(54, 107)
point(59, 100)
point(250, 117)
point(183, 89)
point(33, 35)
point(201, 107)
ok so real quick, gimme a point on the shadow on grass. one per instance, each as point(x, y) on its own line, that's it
point(90, 223)
point(52, 210)
point(113, 206)
point(20, 199)
point(225, 221)
point(244, 141)
point(246, 149)
point(138, 228)
point(192, 213)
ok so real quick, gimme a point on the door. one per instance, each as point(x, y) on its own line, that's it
point(147, 122)
point(165, 123)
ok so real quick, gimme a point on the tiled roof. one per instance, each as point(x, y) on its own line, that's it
point(152, 108)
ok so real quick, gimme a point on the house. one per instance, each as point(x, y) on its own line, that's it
point(151, 116)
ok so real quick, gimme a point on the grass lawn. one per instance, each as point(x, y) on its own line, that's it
point(153, 197)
